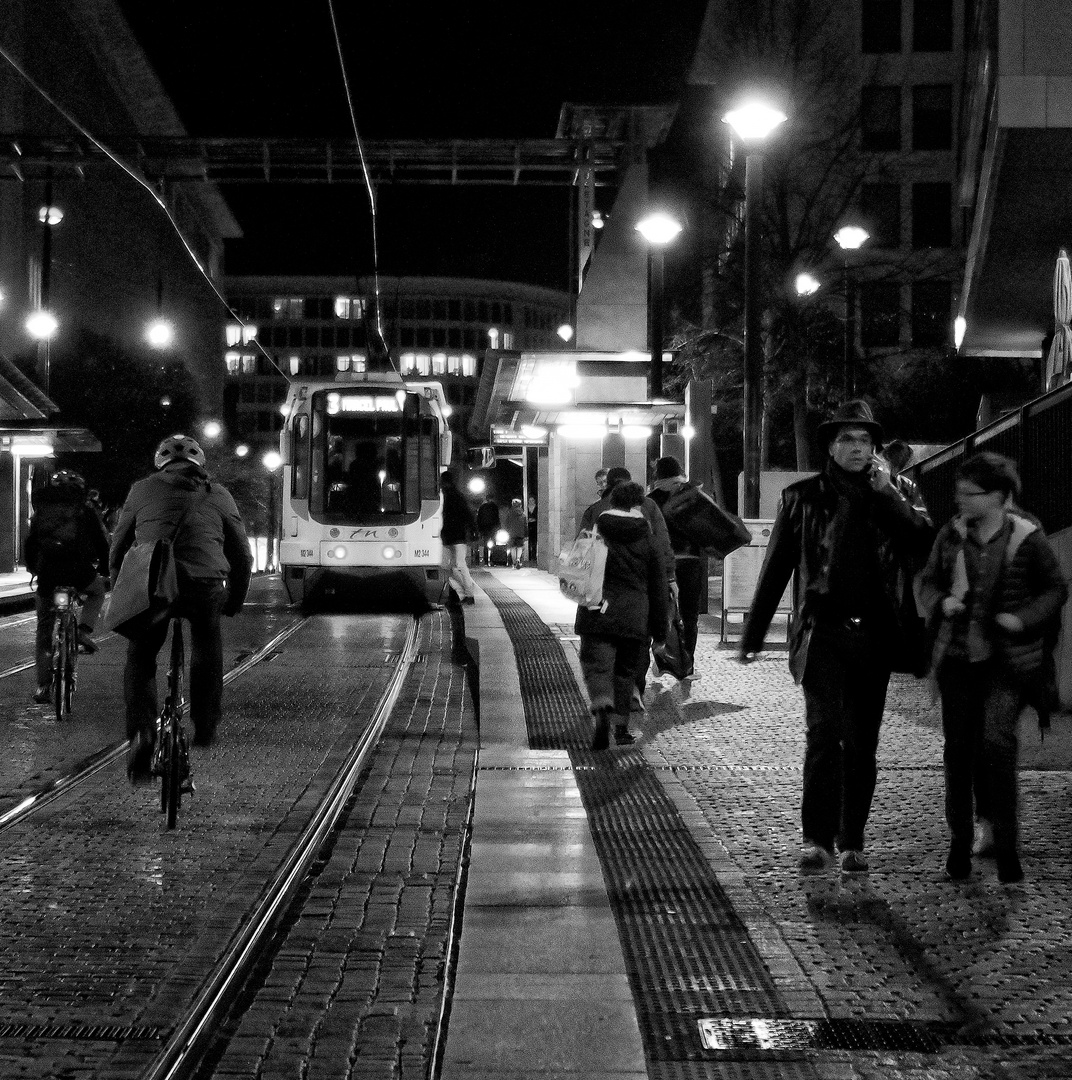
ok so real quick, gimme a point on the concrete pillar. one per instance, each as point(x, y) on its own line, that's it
point(613, 450)
point(9, 525)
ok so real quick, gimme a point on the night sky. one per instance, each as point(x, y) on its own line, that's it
point(465, 70)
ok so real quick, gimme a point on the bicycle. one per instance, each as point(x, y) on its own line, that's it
point(66, 609)
point(171, 756)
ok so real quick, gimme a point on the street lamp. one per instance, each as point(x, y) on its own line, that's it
point(42, 324)
point(271, 461)
point(752, 123)
point(849, 238)
point(658, 229)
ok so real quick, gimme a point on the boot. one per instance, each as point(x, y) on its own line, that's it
point(601, 738)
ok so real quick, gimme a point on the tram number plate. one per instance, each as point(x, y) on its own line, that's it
point(306, 553)
point(421, 553)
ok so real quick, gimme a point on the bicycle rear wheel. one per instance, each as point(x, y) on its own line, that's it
point(61, 666)
point(171, 732)
point(171, 794)
point(71, 669)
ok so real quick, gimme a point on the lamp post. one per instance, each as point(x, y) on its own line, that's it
point(849, 238)
point(271, 461)
point(42, 323)
point(658, 229)
point(752, 123)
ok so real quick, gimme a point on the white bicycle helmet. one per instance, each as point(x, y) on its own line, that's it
point(178, 448)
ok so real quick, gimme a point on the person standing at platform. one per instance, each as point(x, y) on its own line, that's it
point(458, 526)
point(992, 587)
point(487, 523)
point(854, 543)
point(634, 609)
point(516, 525)
point(532, 522)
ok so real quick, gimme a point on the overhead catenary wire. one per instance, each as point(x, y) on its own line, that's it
point(368, 183)
point(142, 182)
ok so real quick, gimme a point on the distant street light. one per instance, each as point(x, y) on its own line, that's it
point(658, 230)
point(241, 450)
point(807, 285)
point(42, 325)
point(752, 123)
point(211, 429)
point(849, 238)
point(565, 332)
point(271, 461)
point(160, 334)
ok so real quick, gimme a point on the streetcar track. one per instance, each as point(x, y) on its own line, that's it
point(99, 759)
point(191, 1032)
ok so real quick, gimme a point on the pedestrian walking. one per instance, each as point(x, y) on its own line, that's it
point(618, 474)
point(488, 524)
point(516, 525)
point(458, 526)
point(688, 562)
point(213, 562)
point(991, 589)
point(634, 609)
point(532, 530)
point(854, 542)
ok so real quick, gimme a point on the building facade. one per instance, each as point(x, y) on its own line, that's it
point(319, 327)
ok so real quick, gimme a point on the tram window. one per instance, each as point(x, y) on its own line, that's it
point(299, 457)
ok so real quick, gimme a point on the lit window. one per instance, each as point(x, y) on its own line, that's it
point(358, 361)
point(342, 363)
point(454, 364)
point(424, 364)
point(408, 363)
point(295, 364)
point(439, 363)
point(234, 333)
point(508, 339)
point(231, 359)
point(349, 307)
point(468, 364)
point(249, 364)
point(287, 307)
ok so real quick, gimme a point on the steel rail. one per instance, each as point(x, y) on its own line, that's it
point(184, 1046)
point(96, 761)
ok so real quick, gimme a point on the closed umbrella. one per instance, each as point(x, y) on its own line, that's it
point(1059, 360)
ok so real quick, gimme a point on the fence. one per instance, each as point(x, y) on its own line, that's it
point(1038, 437)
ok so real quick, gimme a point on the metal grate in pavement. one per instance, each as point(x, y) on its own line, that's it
point(79, 1031)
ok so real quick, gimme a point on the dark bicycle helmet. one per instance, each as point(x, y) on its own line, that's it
point(67, 480)
point(178, 448)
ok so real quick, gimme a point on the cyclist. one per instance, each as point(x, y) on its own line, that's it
point(213, 559)
point(64, 546)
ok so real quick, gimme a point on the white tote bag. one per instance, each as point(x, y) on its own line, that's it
point(580, 570)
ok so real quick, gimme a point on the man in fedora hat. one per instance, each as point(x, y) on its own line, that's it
point(854, 542)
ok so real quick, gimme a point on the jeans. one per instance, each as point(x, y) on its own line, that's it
point(454, 561)
point(91, 609)
point(609, 666)
point(200, 602)
point(844, 685)
point(980, 709)
point(690, 585)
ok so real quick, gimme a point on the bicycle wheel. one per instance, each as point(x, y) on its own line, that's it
point(70, 673)
point(170, 733)
point(171, 774)
point(59, 664)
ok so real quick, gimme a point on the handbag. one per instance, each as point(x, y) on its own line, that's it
point(704, 523)
point(147, 585)
point(671, 657)
point(580, 570)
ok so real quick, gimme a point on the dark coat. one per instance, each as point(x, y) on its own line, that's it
point(1030, 586)
point(458, 521)
point(66, 542)
point(635, 590)
point(801, 543)
point(487, 519)
point(682, 546)
point(516, 524)
point(212, 543)
point(654, 517)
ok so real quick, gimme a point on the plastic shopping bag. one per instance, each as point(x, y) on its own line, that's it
point(580, 570)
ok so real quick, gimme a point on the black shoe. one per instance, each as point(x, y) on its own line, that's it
point(958, 864)
point(601, 738)
point(140, 759)
point(43, 695)
point(1009, 869)
point(623, 736)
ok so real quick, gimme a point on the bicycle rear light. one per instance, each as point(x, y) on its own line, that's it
point(61, 600)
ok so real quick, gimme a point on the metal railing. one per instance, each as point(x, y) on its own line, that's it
point(1038, 437)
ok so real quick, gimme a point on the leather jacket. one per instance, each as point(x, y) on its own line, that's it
point(801, 544)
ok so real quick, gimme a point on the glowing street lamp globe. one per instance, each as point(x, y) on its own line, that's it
point(160, 333)
point(42, 325)
point(658, 228)
point(272, 460)
point(754, 121)
point(211, 429)
point(851, 237)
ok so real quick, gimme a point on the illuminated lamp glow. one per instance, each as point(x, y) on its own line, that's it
point(687, 431)
point(284, 409)
point(32, 449)
point(160, 333)
point(1, 297)
point(337, 552)
point(565, 332)
point(635, 431)
point(754, 121)
point(477, 485)
point(61, 600)
point(447, 411)
point(851, 237)
point(390, 553)
point(272, 460)
point(211, 429)
point(241, 450)
point(960, 328)
point(502, 536)
point(530, 431)
point(547, 391)
point(50, 215)
point(806, 284)
point(658, 228)
point(42, 325)
point(582, 431)
point(597, 220)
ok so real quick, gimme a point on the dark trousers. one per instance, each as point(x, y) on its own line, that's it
point(981, 705)
point(609, 665)
point(46, 618)
point(201, 603)
point(844, 685)
point(690, 584)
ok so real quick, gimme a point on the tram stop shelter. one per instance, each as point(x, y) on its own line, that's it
point(573, 412)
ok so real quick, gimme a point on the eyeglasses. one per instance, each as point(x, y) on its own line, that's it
point(965, 493)
point(855, 440)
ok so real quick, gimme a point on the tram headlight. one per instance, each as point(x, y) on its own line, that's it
point(390, 553)
point(337, 552)
point(60, 600)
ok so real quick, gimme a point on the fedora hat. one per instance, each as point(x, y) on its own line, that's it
point(856, 413)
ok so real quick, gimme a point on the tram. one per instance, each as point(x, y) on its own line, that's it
point(361, 504)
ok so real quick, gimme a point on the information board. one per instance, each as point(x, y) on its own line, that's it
point(740, 572)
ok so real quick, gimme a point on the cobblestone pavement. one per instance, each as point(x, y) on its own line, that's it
point(986, 964)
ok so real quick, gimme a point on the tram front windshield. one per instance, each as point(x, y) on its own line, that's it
point(379, 457)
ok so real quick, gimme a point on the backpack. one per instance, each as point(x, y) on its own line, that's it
point(704, 523)
point(59, 532)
